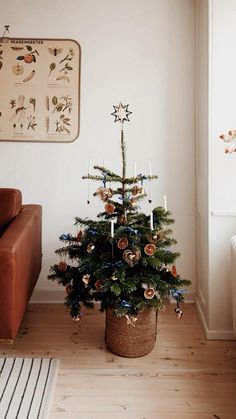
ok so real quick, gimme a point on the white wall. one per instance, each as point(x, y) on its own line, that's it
point(214, 299)
point(140, 52)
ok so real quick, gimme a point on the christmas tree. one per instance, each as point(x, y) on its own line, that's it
point(124, 258)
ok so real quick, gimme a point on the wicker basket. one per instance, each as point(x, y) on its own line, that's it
point(131, 340)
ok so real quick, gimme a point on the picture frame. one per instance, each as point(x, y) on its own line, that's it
point(39, 89)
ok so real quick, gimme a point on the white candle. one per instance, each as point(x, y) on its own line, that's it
point(135, 170)
point(150, 168)
point(165, 203)
point(151, 220)
point(112, 228)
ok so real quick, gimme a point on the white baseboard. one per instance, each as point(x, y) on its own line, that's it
point(213, 334)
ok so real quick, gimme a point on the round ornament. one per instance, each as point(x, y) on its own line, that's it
point(62, 266)
point(98, 285)
point(110, 208)
point(150, 249)
point(174, 271)
point(86, 279)
point(122, 243)
point(149, 293)
point(90, 247)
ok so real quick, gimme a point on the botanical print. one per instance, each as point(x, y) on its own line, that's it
point(39, 90)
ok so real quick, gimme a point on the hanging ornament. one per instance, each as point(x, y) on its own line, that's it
point(131, 257)
point(121, 113)
point(98, 285)
point(131, 320)
point(150, 249)
point(62, 266)
point(178, 313)
point(114, 277)
point(136, 190)
point(86, 279)
point(90, 247)
point(149, 293)
point(152, 239)
point(79, 236)
point(110, 208)
point(69, 289)
point(76, 318)
point(133, 202)
point(122, 243)
point(174, 271)
point(104, 193)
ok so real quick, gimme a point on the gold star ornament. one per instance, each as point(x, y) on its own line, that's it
point(121, 113)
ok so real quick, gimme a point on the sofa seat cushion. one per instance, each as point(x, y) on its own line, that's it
point(10, 206)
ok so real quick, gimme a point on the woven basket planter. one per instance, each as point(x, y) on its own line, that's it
point(129, 340)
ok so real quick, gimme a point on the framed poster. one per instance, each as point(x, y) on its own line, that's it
point(39, 89)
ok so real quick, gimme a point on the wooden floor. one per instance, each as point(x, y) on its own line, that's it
point(184, 377)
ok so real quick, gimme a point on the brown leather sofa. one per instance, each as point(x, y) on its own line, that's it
point(20, 258)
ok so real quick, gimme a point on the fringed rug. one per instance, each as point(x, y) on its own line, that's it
point(26, 387)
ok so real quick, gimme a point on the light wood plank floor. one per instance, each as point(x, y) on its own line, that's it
point(184, 377)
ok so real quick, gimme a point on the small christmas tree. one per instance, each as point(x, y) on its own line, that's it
point(123, 259)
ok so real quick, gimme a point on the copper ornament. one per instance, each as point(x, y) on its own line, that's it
point(98, 285)
point(79, 236)
point(150, 249)
point(110, 208)
point(174, 271)
point(86, 278)
point(149, 293)
point(62, 266)
point(122, 243)
point(90, 247)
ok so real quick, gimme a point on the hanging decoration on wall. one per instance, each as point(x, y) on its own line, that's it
point(230, 139)
point(39, 89)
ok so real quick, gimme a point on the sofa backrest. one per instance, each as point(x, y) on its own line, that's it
point(10, 206)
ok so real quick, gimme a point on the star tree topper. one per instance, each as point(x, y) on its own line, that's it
point(121, 113)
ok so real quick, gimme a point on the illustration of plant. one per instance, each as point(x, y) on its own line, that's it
point(69, 56)
point(30, 56)
point(32, 100)
point(12, 103)
point(61, 125)
point(1, 63)
point(51, 68)
point(31, 122)
point(62, 104)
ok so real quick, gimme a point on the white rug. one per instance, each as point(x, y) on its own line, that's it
point(26, 387)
